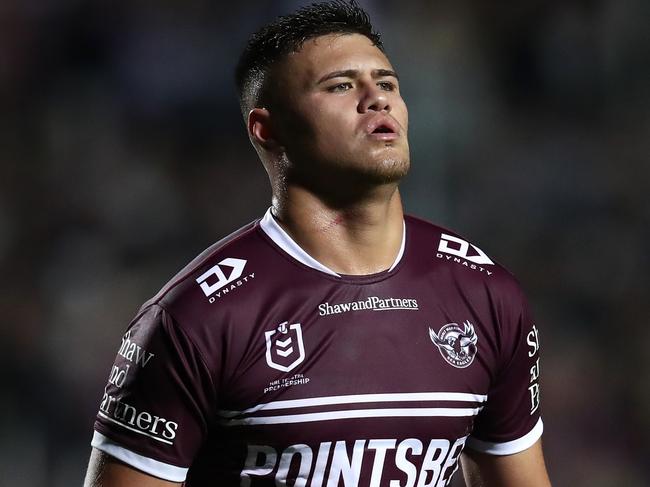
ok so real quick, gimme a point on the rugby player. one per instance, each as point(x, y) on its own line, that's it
point(335, 341)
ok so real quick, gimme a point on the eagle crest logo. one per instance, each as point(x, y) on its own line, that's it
point(456, 345)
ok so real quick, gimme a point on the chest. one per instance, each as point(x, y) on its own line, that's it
point(361, 353)
point(358, 383)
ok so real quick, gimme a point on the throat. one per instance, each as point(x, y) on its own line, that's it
point(351, 241)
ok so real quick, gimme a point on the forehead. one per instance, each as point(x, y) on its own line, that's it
point(334, 52)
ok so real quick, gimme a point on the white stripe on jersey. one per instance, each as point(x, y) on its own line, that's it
point(354, 413)
point(157, 468)
point(508, 447)
point(360, 398)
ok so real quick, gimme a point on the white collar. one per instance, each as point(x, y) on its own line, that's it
point(282, 239)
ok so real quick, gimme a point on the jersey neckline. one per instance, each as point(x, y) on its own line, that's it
point(272, 229)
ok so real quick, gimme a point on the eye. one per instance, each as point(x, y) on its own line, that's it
point(340, 87)
point(387, 85)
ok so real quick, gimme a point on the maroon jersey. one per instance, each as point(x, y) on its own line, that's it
point(259, 366)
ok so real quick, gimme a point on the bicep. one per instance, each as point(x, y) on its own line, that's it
point(523, 469)
point(106, 471)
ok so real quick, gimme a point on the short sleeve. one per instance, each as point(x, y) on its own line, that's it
point(155, 411)
point(510, 422)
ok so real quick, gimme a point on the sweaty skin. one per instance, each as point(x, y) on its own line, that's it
point(335, 150)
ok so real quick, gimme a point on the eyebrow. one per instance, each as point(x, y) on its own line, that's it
point(353, 73)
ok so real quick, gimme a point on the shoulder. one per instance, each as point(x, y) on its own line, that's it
point(456, 258)
point(224, 265)
point(463, 278)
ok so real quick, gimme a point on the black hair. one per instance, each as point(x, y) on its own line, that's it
point(287, 34)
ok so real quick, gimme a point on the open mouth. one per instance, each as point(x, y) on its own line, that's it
point(383, 129)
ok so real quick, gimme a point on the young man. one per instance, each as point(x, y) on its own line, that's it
point(335, 341)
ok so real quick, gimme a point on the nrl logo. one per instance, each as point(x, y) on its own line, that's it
point(457, 346)
point(284, 347)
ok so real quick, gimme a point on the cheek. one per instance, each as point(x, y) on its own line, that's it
point(331, 122)
point(320, 130)
point(401, 113)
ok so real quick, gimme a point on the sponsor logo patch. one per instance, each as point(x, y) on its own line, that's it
point(114, 407)
point(464, 253)
point(372, 303)
point(226, 281)
point(284, 347)
point(456, 345)
point(385, 461)
point(532, 339)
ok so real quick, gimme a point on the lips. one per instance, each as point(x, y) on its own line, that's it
point(383, 127)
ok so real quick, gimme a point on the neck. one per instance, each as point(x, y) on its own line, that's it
point(360, 237)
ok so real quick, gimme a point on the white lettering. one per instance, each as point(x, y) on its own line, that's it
point(260, 461)
point(464, 263)
point(105, 405)
point(126, 409)
point(126, 341)
point(227, 289)
point(145, 417)
point(343, 467)
point(305, 454)
point(170, 430)
point(342, 464)
point(451, 464)
point(127, 415)
point(534, 397)
point(154, 427)
point(432, 462)
point(128, 349)
point(380, 447)
point(404, 465)
point(143, 358)
point(532, 339)
point(118, 376)
point(371, 303)
point(534, 371)
point(321, 463)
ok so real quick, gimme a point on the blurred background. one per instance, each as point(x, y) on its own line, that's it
point(123, 155)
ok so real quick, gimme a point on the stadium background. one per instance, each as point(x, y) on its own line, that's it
point(123, 155)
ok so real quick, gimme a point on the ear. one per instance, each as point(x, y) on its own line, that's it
point(260, 130)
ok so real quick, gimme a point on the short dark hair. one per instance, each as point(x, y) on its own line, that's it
point(287, 34)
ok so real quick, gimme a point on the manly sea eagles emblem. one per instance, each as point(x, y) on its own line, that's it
point(284, 347)
point(457, 345)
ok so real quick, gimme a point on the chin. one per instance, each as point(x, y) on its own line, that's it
point(388, 170)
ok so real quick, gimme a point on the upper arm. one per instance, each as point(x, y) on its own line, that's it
point(106, 471)
point(523, 469)
point(158, 400)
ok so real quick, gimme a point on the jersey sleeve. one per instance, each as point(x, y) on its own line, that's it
point(155, 411)
point(510, 422)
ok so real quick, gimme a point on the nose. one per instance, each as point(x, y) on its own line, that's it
point(374, 99)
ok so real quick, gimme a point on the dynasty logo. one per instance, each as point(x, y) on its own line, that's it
point(224, 283)
point(464, 253)
point(456, 345)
